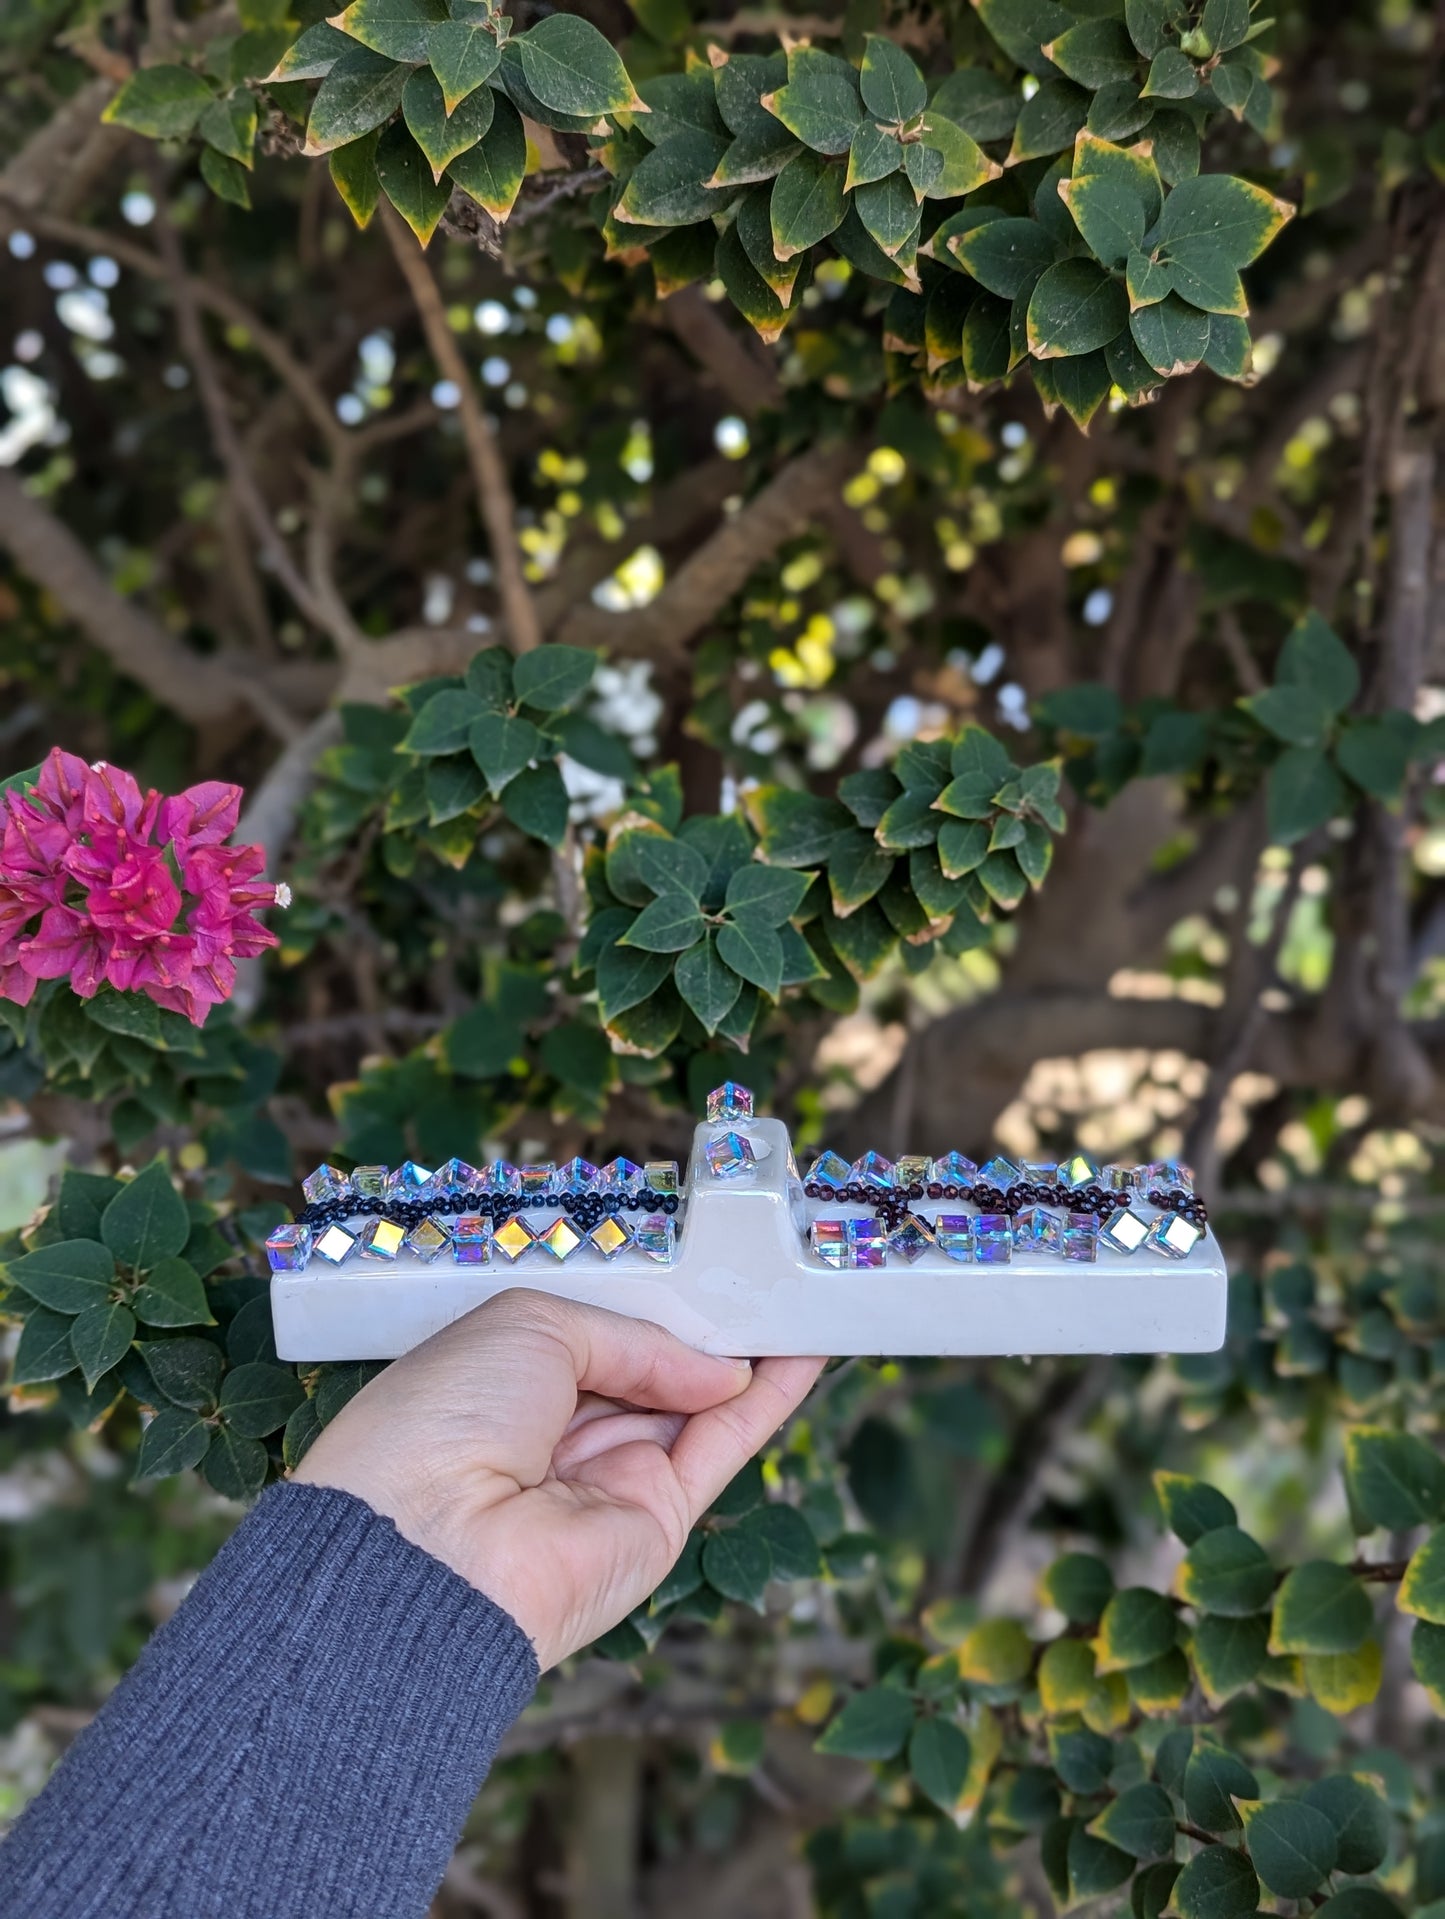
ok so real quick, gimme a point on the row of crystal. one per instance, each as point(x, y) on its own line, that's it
point(990, 1239)
point(409, 1181)
point(470, 1239)
point(831, 1173)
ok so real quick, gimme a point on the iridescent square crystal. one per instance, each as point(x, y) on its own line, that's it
point(872, 1169)
point(867, 1242)
point(728, 1155)
point(993, 1239)
point(911, 1171)
point(578, 1176)
point(1172, 1174)
point(426, 1239)
point(1039, 1172)
point(1115, 1178)
point(999, 1172)
point(408, 1181)
point(369, 1182)
point(1174, 1236)
point(729, 1101)
point(913, 1237)
point(381, 1239)
point(336, 1245)
point(1036, 1230)
point(953, 1234)
point(289, 1248)
point(503, 1177)
point(620, 1175)
point(536, 1180)
point(1081, 1237)
point(953, 1169)
point(327, 1183)
point(830, 1170)
point(829, 1240)
point(1078, 1171)
point(660, 1176)
point(455, 1177)
point(471, 1239)
point(609, 1236)
point(513, 1238)
point(655, 1234)
point(1124, 1231)
point(560, 1238)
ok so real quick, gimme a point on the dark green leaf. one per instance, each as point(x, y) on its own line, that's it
point(259, 1398)
point(891, 84)
point(1217, 1883)
point(1360, 1818)
point(463, 53)
point(44, 1351)
point(573, 68)
point(669, 924)
point(706, 984)
point(171, 1442)
point(1321, 1607)
point(553, 678)
point(99, 1336)
point(874, 1724)
point(737, 1564)
point(409, 182)
point(771, 894)
point(807, 203)
point(361, 92)
point(1293, 1846)
point(442, 132)
point(1304, 792)
point(186, 1371)
point(147, 1220)
point(234, 1466)
point(162, 102)
point(70, 1276)
point(491, 172)
point(536, 802)
point(938, 1758)
point(1140, 1822)
point(1213, 1780)
point(1395, 1479)
point(1228, 1572)
point(751, 947)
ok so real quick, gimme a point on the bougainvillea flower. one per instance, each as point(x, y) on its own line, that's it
point(66, 946)
point(61, 786)
point(33, 847)
point(15, 983)
point(113, 798)
point(203, 815)
point(141, 899)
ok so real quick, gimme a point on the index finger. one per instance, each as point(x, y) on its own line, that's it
point(715, 1445)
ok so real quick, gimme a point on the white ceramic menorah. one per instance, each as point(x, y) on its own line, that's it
point(745, 1256)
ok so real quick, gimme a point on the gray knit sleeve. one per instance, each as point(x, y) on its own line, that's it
point(304, 1737)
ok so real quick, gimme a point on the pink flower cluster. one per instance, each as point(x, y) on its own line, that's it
point(109, 871)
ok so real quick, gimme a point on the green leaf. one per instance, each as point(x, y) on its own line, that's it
point(891, 84)
point(1213, 1780)
point(1192, 1507)
point(706, 984)
point(1375, 757)
point(807, 204)
point(911, 821)
point(1296, 714)
point(70, 1276)
point(821, 103)
point(1422, 1590)
point(162, 102)
point(1003, 880)
point(1094, 1865)
point(229, 125)
point(1226, 1572)
point(1095, 53)
point(399, 29)
point(440, 133)
point(737, 1563)
point(259, 1398)
point(874, 1724)
point(626, 977)
point(1368, 1902)
point(964, 163)
point(1217, 214)
point(790, 1540)
point(1314, 656)
point(997, 1652)
point(1427, 1661)
point(759, 154)
point(1225, 24)
point(1343, 1681)
point(796, 829)
point(1321, 1607)
point(591, 745)
point(1172, 76)
point(1360, 1818)
point(1292, 1845)
point(353, 174)
point(1080, 1586)
point(1137, 1626)
point(669, 924)
point(360, 92)
point(1005, 256)
point(1176, 145)
point(463, 54)
point(980, 101)
point(771, 894)
point(226, 178)
point(573, 68)
point(234, 1466)
point(491, 172)
point(173, 1295)
point(312, 56)
point(1171, 335)
point(1395, 1480)
point(409, 182)
point(670, 186)
point(553, 678)
point(44, 1351)
point(1153, 1889)
point(1228, 1654)
point(536, 803)
point(752, 948)
point(938, 1758)
point(889, 212)
point(171, 1442)
point(502, 744)
point(1217, 1883)
point(147, 1220)
point(1048, 123)
point(99, 1336)
point(454, 785)
point(1303, 793)
point(1140, 1822)
point(187, 1371)
point(302, 1428)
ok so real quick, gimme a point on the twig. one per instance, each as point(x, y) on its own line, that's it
point(489, 473)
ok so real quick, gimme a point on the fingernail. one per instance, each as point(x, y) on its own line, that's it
point(743, 1365)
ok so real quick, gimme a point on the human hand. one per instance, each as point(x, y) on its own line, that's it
point(555, 1455)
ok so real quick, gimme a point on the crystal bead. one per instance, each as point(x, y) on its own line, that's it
point(533, 1181)
point(578, 1176)
point(1117, 1178)
point(289, 1248)
point(514, 1238)
point(620, 1175)
point(1172, 1174)
point(655, 1234)
point(1078, 1171)
point(729, 1101)
point(455, 1177)
point(503, 1177)
point(873, 1170)
point(369, 1182)
point(953, 1234)
point(426, 1239)
point(1124, 1231)
point(831, 1170)
point(560, 1238)
point(1174, 1236)
point(1036, 1230)
point(910, 1239)
point(471, 1239)
point(954, 1169)
point(336, 1245)
point(829, 1240)
point(324, 1185)
point(993, 1239)
point(1039, 1172)
point(867, 1242)
point(381, 1239)
point(728, 1155)
point(1081, 1237)
point(609, 1236)
point(661, 1177)
point(999, 1172)
point(912, 1171)
point(409, 1181)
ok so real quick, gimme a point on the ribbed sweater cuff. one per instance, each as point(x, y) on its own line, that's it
point(306, 1735)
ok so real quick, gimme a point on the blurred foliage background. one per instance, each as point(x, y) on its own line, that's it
point(290, 502)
